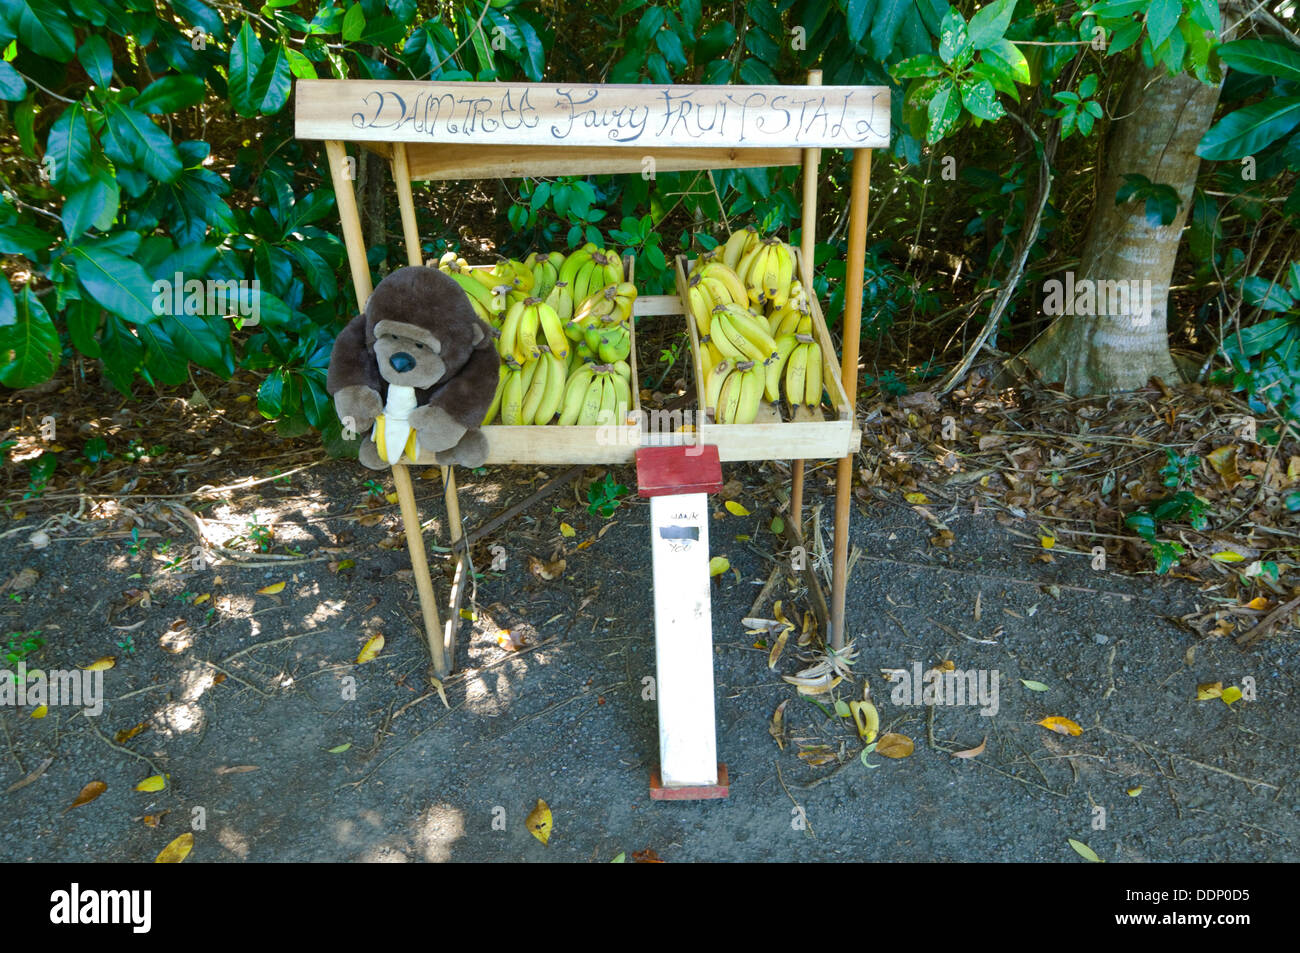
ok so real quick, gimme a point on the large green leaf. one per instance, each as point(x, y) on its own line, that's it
point(170, 93)
point(82, 319)
point(97, 60)
point(13, 87)
point(1247, 130)
point(117, 283)
point(884, 26)
point(93, 202)
point(270, 90)
point(134, 138)
point(204, 339)
point(990, 24)
point(245, 58)
point(1162, 17)
point(162, 359)
point(29, 346)
point(943, 111)
point(43, 28)
point(858, 15)
point(68, 150)
point(1262, 58)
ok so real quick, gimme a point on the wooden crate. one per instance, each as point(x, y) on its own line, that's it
point(811, 435)
point(552, 444)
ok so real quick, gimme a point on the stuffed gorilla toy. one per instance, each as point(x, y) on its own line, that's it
point(420, 367)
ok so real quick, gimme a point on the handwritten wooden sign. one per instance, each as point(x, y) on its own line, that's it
point(557, 114)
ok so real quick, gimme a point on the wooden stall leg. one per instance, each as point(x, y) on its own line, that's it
point(420, 567)
point(807, 241)
point(849, 372)
point(346, 198)
point(451, 497)
point(415, 257)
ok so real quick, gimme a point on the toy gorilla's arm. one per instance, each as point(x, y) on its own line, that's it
point(468, 395)
point(353, 379)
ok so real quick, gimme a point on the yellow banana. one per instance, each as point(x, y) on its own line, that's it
point(785, 344)
point(553, 330)
point(529, 325)
point(569, 270)
point(736, 242)
point(751, 392)
point(553, 396)
point(813, 377)
point(716, 271)
point(510, 331)
point(575, 392)
point(502, 374)
point(536, 390)
point(796, 372)
point(729, 398)
point(591, 401)
point(701, 306)
point(622, 397)
point(726, 345)
point(713, 386)
point(512, 399)
point(754, 330)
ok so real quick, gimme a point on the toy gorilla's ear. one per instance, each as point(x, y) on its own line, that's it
point(478, 336)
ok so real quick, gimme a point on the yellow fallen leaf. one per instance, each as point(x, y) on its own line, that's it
point(777, 728)
point(1259, 603)
point(778, 646)
point(200, 599)
point(735, 509)
point(1062, 726)
point(374, 645)
point(1047, 541)
point(1134, 791)
point(891, 745)
point(177, 850)
point(101, 664)
point(391, 497)
point(155, 783)
point(339, 749)
point(718, 565)
point(1208, 690)
point(1084, 851)
point(539, 822)
point(1228, 556)
point(40, 711)
point(271, 590)
point(567, 531)
point(916, 499)
point(468, 615)
point(1034, 686)
point(1231, 694)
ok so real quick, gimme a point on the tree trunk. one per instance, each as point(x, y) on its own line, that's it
point(1109, 344)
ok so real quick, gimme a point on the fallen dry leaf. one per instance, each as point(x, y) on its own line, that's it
point(374, 645)
point(1062, 726)
point(539, 822)
point(894, 746)
point(547, 571)
point(91, 791)
point(236, 769)
point(177, 850)
point(36, 773)
point(972, 752)
point(272, 589)
point(777, 728)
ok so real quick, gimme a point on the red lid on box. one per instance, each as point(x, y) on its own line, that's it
point(669, 471)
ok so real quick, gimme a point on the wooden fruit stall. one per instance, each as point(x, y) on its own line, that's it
point(482, 130)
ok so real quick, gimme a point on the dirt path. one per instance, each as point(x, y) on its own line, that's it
point(249, 718)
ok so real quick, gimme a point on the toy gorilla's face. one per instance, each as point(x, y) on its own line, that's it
point(408, 355)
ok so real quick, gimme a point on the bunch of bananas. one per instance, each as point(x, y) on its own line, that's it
point(564, 328)
point(754, 321)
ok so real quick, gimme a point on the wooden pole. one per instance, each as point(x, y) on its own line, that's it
point(342, 171)
point(807, 239)
point(441, 643)
point(852, 328)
